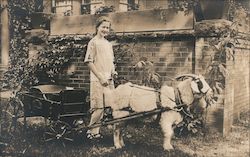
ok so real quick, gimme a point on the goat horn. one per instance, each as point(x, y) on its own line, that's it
point(182, 76)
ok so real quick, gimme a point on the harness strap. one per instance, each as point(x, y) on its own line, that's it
point(177, 94)
point(158, 99)
point(159, 106)
point(148, 88)
point(181, 107)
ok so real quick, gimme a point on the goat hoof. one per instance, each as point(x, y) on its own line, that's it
point(168, 148)
point(119, 146)
point(123, 145)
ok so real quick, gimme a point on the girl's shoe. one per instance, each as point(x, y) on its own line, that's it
point(94, 136)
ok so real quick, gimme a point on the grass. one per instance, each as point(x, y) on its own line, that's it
point(141, 139)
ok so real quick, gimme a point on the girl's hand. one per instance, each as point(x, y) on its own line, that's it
point(104, 82)
point(114, 75)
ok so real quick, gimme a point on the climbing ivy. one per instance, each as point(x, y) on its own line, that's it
point(19, 23)
point(224, 50)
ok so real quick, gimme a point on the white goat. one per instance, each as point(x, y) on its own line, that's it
point(141, 98)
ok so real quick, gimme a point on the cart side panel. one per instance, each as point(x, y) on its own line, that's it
point(74, 102)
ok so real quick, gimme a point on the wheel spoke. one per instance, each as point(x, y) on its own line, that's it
point(67, 133)
point(53, 130)
point(64, 130)
point(63, 144)
point(50, 139)
point(68, 139)
point(49, 133)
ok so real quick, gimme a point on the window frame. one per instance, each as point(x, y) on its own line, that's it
point(66, 12)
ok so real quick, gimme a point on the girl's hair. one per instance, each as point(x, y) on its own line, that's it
point(100, 20)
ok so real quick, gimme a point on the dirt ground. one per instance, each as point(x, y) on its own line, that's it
point(141, 139)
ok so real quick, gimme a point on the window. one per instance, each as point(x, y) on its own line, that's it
point(90, 6)
point(85, 8)
point(133, 5)
point(62, 7)
point(129, 5)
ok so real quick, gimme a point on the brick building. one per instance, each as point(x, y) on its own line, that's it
point(172, 40)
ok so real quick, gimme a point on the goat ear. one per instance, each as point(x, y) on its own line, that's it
point(186, 93)
point(206, 86)
point(194, 87)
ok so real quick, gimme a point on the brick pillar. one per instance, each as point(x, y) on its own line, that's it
point(4, 34)
point(142, 4)
point(77, 7)
point(199, 44)
point(229, 98)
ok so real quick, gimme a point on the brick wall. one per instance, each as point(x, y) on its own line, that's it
point(237, 85)
point(235, 98)
point(241, 78)
point(170, 58)
point(80, 79)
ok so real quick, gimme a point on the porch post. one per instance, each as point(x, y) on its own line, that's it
point(4, 34)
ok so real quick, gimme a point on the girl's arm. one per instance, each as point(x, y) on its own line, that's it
point(102, 80)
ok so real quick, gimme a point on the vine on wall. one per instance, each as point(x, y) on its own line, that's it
point(19, 23)
point(224, 47)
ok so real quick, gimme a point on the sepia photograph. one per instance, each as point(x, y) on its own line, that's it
point(124, 78)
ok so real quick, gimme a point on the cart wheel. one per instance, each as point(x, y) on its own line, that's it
point(58, 131)
point(11, 114)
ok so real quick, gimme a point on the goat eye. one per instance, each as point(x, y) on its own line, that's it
point(200, 85)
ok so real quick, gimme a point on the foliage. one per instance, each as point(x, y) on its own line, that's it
point(133, 7)
point(193, 121)
point(142, 68)
point(237, 10)
point(104, 9)
point(190, 126)
point(56, 55)
point(26, 71)
point(19, 23)
point(182, 5)
point(187, 5)
point(52, 60)
point(224, 47)
point(225, 42)
point(146, 69)
point(122, 52)
point(49, 61)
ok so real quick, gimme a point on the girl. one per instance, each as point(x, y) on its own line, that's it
point(100, 60)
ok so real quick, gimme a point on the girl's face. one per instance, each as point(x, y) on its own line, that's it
point(103, 29)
